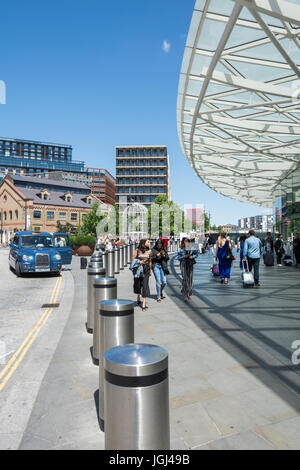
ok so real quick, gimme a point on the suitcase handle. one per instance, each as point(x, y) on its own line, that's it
point(245, 261)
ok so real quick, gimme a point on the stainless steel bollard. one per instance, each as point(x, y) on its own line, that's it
point(95, 264)
point(105, 288)
point(132, 249)
point(136, 398)
point(117, 260)
point(93, 272)
point(116, 328)
point(125, 256)
point(128, 248)
point(104, 254)
point(121, 257)
point(96, 255)
point(110, 265)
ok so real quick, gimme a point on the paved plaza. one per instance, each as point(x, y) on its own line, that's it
point(232, 381)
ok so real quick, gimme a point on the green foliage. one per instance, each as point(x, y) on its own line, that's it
point(160, 217)
point(80, 240)
point(206, 222)
point(65, 228)
point(90, 221)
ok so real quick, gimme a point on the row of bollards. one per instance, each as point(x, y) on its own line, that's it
point(133, 378)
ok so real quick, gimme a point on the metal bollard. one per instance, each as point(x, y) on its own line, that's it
point(104, 254)
point(110, 265)
point(105, 288)
point(121, 257)
point(117, 260)
point(125, 256)
point(136, 398)
point(93, 272)
point(128, 249)
point(116, 328)
point(132, 249)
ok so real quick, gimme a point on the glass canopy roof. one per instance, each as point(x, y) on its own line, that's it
point(238, 111)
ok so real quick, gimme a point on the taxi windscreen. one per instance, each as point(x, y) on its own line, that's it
point(37, 241)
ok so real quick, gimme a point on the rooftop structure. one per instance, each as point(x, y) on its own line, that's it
point(238, 98)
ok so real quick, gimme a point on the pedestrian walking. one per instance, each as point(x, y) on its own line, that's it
point(253, 251)
point(279, 249)
point(224, 255)
point(211, 245)
point(241, 244)
point(159, 257)
point(141, 283)
point(296, 247)
point(187, 258)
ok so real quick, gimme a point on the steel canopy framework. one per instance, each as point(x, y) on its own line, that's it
point(238, 102)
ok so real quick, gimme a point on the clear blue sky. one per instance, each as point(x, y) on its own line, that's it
point(94, 74)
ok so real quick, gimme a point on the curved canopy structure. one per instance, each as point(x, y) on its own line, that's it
point(238, 108)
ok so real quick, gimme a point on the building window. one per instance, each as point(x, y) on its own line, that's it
point(83, 216)
point(10, 215)
point(37, 214)
point(16, 215)
point(36, 229)
point(5, 215)
point(50, 215)
point(62, 216)
point(73, 216)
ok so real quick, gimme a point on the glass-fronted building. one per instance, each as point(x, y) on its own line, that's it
point(33, 157)
point(238, 103)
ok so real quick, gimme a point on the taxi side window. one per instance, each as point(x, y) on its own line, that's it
point(16, 240)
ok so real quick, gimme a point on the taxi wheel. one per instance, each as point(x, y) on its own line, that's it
point(18, 269)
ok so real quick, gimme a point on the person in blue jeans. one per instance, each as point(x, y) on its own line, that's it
point(241, 248)
point(253, 250)
point(159, 257)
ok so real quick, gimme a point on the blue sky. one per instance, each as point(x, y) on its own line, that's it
point(96, 74)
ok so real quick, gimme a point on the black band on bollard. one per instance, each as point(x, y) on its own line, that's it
point(104, 286)
point(114, 313)
point(144, 381)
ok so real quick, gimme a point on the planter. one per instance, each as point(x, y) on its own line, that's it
point(84, 250)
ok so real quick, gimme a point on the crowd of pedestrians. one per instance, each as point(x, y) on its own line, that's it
point(147, 261)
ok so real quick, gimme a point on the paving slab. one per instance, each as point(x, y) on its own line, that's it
point(232, 384)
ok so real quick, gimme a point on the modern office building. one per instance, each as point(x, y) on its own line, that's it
point(260, 223)
point(142, 174)
point(33, 157)
point(22, 157)
point(238, 103)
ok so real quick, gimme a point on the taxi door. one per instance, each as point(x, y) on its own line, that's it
point(62, 244)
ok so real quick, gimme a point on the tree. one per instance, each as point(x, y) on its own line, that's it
point(91, 221)
point(65, 228)
point(206, 222)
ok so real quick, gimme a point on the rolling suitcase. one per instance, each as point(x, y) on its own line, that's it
point(287, 260)
point(215, 270)
point(247, 277)
point(268, 258)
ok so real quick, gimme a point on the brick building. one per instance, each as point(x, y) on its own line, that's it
point(39, 205)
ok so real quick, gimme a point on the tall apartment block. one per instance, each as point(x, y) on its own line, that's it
point(142, 174)
point(53, 161)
